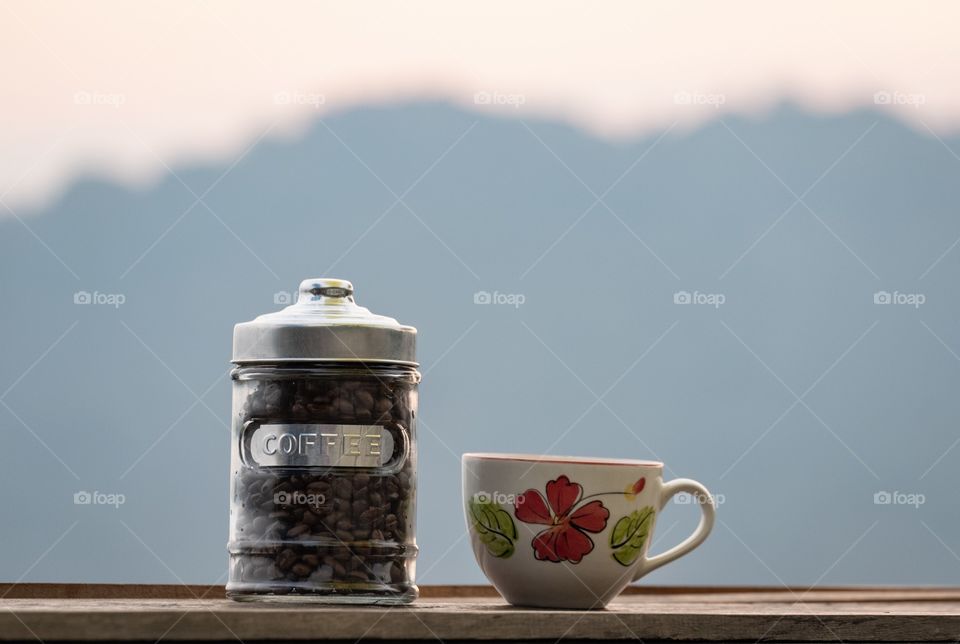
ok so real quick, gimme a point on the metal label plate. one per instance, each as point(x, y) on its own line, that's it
point(318, 445)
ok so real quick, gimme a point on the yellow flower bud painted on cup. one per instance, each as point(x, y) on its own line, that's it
point(631, 491)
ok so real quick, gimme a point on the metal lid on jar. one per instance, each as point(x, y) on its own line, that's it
point(324, 325)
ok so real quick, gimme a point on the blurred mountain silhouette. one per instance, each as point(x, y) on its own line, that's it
point(796, 399)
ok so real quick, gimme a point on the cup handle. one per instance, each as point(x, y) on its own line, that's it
point(707, 517)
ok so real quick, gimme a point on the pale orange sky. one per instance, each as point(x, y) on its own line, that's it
point(120, 88)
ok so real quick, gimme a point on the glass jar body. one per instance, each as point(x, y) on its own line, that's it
point(323, 483)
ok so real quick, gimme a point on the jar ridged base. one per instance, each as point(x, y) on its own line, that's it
point(370, 594)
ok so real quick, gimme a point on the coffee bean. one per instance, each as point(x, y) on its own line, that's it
point(286, 559)
point(398, 572)
point(301, 570)
point(364, 400)
point(343, 488)
point(339, 570)
point(318, 487)
point(297, 530)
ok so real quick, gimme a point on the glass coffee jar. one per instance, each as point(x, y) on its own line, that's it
point(323, 481)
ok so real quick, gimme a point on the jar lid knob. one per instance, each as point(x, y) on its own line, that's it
point(312, 290)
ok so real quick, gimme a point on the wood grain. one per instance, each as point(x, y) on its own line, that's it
point(84, 612)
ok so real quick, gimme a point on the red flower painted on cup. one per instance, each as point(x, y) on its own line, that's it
point(565, 538)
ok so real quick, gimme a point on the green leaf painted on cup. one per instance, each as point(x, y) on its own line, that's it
point(494, 526)
point(630, 534)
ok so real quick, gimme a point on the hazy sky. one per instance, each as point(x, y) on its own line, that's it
point(122, 88)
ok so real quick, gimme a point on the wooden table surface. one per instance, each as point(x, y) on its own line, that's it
point(84, 612)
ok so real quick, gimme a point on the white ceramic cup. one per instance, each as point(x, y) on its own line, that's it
point(567, 532)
